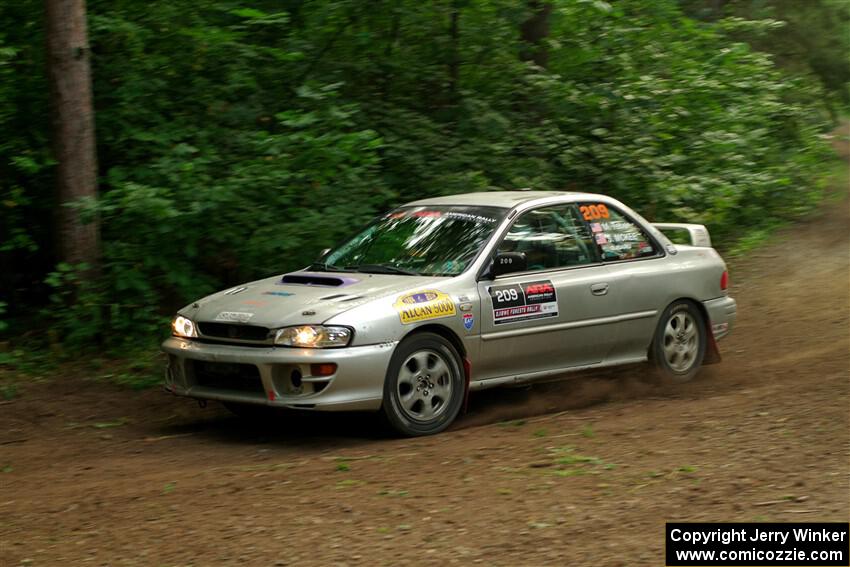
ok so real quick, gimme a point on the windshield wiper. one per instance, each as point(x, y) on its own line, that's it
point(381, 269)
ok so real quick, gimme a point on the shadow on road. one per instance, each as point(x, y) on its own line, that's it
point(331, 429)
point(278, 427)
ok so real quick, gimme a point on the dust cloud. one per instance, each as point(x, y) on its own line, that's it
point(568, 392)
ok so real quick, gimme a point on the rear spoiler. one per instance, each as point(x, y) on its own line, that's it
point(697, 233)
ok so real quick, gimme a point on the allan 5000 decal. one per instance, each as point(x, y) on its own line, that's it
point(524, 301)
point(423, 305)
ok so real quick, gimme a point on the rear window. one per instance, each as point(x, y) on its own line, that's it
point(618, 237)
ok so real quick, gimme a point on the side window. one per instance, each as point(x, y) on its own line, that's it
point(618, 237)
point(551, 237)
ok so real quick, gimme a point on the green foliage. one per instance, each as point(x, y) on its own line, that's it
point(19, 366)
point(569, 463)
point(236, 140)
point(8, 391)
point(25, 172)
point(75, 305)
point(805, 38)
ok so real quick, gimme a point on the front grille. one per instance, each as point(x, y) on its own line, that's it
point(240, 344)
point(230, 331)
point(227, 376)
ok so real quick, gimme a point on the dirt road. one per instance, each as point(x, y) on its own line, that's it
point(587, 472)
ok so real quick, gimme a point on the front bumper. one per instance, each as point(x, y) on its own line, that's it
point(722, 313)
point(278, 376)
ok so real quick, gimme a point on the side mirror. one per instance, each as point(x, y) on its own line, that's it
point(323, 253)
point(508, 262)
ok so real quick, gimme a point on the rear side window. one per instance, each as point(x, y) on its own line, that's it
point(618, 237)
point(551, 237)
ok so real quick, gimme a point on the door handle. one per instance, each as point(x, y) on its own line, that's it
point(599, 288)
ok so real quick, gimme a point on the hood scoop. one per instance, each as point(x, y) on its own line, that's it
point(310, 279)
point(317, 279)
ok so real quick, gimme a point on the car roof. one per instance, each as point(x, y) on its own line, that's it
point(504, 199)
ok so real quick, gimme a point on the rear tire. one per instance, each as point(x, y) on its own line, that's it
point(680, 342)
point(424, 386)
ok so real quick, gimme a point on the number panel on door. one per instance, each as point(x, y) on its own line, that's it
point(528, 317)
point(523, 302)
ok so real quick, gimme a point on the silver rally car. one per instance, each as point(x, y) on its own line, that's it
point(447, 295)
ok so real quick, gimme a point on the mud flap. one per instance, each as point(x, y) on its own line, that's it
point(467, 372)
point(712, 352)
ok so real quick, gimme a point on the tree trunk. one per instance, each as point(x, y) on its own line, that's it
point(718, 8)
point(533, 31)
point(74, 149)
point(392, 38)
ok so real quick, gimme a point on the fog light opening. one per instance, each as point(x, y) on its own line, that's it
point(295, 378)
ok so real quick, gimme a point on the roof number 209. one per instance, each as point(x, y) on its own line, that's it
point(594, 212)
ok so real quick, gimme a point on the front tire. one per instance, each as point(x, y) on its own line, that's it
point(680, 341)
point(424, 387)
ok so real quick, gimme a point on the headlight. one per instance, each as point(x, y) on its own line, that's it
point(313, 336)
point(183, 327)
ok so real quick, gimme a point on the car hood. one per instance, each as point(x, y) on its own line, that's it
point(300, 297)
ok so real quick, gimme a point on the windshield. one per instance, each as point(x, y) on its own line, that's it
point(430, 241)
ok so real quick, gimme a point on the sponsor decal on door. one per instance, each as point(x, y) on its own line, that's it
point(523, 301)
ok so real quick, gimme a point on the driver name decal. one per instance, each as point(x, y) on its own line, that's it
point(424, 305)
point(523, 301)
